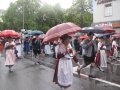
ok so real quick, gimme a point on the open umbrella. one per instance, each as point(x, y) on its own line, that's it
point(78, 34)
point(92, 29)
point(104, 35)
point(116, 35)
point(83, 37)
point(57, 31)
point(27, 31)
point(7, 33)
point(26, 36)
point(18, 35)
point(35, 32)
point(107, 28)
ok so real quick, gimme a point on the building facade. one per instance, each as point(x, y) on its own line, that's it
point(106, 12)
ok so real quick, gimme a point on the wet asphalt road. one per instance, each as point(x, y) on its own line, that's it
point(27, 76)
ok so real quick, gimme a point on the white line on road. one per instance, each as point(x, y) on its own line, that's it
point(115, 64)
point(118, 60)
point(101, 80)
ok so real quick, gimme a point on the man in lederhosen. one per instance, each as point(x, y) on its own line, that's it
point(89, 53)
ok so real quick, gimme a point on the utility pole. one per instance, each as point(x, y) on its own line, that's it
point(23, 14)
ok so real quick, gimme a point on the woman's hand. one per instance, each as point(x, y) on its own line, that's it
point(66, 50)
point(78, 64)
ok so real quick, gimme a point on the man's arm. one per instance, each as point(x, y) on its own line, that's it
point(86, 44)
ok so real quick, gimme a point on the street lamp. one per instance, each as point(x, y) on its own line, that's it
point(45, 17)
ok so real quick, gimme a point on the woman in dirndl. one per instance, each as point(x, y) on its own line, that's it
point(63, 75)
point(47, 49)
point(101, 57)
point(114, 51)
point(26, 45)
point(10, 53)
point(18, 48)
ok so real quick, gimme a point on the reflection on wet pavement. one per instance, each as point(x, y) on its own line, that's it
point(111, 74)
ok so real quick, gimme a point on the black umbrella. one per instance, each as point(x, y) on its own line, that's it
point(78, 34)
point(104, 35)
point(92, 29)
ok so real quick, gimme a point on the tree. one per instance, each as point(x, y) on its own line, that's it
point(79, 13)
point(33, 15)
point(54, 16)
point(13, 16)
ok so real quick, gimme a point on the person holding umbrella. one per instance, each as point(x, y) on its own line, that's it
point(36, 42)
point(89, 53)
point(10, 53)
point(63, 75)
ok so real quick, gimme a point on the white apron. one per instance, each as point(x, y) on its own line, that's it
point(19, 48)
point(65, 68)
point(103, 58)
point(47, 49)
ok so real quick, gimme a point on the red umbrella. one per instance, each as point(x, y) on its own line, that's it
point(116, 35)
point(17, 35)
point(83, 37)
point(7, 33)
point(111, 38)
point(57, 31)
point(107, 28)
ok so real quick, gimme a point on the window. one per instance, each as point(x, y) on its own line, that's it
point(108, 10)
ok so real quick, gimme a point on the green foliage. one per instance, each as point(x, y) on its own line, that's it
point(79, 13)
point(33, 15)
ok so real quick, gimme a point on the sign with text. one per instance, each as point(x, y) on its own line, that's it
point(103, 1)
point(115, 24)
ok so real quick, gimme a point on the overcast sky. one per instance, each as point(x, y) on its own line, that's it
point(4, 4)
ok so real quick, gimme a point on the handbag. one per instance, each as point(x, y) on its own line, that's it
point(16, 51)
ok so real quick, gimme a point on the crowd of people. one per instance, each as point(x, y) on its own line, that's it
point(94, 52)
point(97, 52)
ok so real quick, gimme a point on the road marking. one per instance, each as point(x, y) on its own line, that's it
point(101, 80)
point(118, 60)
point(115, 64)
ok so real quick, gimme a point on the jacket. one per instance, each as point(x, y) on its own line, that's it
point(87, 48)
point(37, 45)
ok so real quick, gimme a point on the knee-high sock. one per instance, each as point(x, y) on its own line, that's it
point(91, 70)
